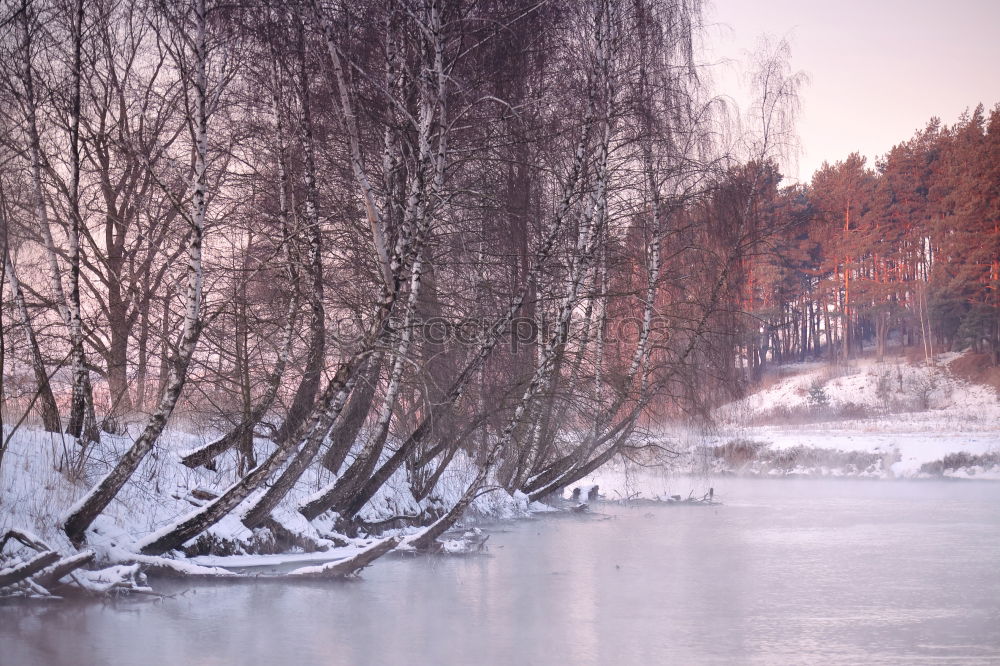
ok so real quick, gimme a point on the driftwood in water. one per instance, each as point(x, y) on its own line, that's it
point(349, 566)
point(44, 571)
point(707, 498)
point(27, 569)
point(593, 493)
point(45, 568)
point(478, 541)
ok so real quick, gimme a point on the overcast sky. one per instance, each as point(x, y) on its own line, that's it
point(878, 69)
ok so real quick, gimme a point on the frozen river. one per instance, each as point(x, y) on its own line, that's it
point(784, 572)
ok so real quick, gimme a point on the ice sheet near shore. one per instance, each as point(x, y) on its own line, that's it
point(880, 420)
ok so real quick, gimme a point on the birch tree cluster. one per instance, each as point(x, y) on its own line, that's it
point(368, 239)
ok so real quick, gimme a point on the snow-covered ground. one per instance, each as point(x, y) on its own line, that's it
point(36, 493)
point(871, 396)
point(913, 414)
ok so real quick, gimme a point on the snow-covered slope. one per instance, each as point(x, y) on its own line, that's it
point(870, 419)
point(871, 396)
point(37, 489)
point(911, 414)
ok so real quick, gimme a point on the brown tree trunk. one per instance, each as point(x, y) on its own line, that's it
point(46, 400)
point(345, 430)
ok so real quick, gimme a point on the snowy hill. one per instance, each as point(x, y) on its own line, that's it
point(869, 395)
point(913, 415)
point(878, 420)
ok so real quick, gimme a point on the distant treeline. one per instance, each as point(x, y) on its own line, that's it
point(907, 250)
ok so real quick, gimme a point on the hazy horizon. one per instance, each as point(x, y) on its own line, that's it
point(877, 72)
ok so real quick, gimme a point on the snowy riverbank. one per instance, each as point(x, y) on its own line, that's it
point(880, 420)
point(889, 420)
point(920, 420)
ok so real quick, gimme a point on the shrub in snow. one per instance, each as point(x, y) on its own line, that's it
point(818, 399)
point(853, 410)
point(738, 452)
point(921, 387)
point(883, 389)
point(961, 460)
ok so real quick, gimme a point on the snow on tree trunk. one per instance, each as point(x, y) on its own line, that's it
point(174, 535)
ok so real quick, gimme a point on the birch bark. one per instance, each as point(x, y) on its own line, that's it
point(83, 513)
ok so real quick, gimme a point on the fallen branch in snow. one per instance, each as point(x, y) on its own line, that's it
point(379, 526)
point(35, 577)
point(349, 566)
point(165, 566)
point(63, 567)
point(26, 538)
point(117, 579)
point(19, 572)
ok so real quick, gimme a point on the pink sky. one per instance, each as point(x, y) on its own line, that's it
point(878, 70)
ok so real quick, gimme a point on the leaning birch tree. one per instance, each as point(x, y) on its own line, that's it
point(83, 513)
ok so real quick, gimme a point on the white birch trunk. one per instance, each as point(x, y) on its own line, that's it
point(94, 502)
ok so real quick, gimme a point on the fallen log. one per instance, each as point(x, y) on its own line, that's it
point(17, 573)
point(116, 579)
point(349, 566)
point(67, 565)
point(164, 566)
point(471, 541)
point(396, 522)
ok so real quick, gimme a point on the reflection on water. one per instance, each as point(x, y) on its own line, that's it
point(785, 571)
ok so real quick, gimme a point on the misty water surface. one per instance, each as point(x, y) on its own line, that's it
point(784, 572)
